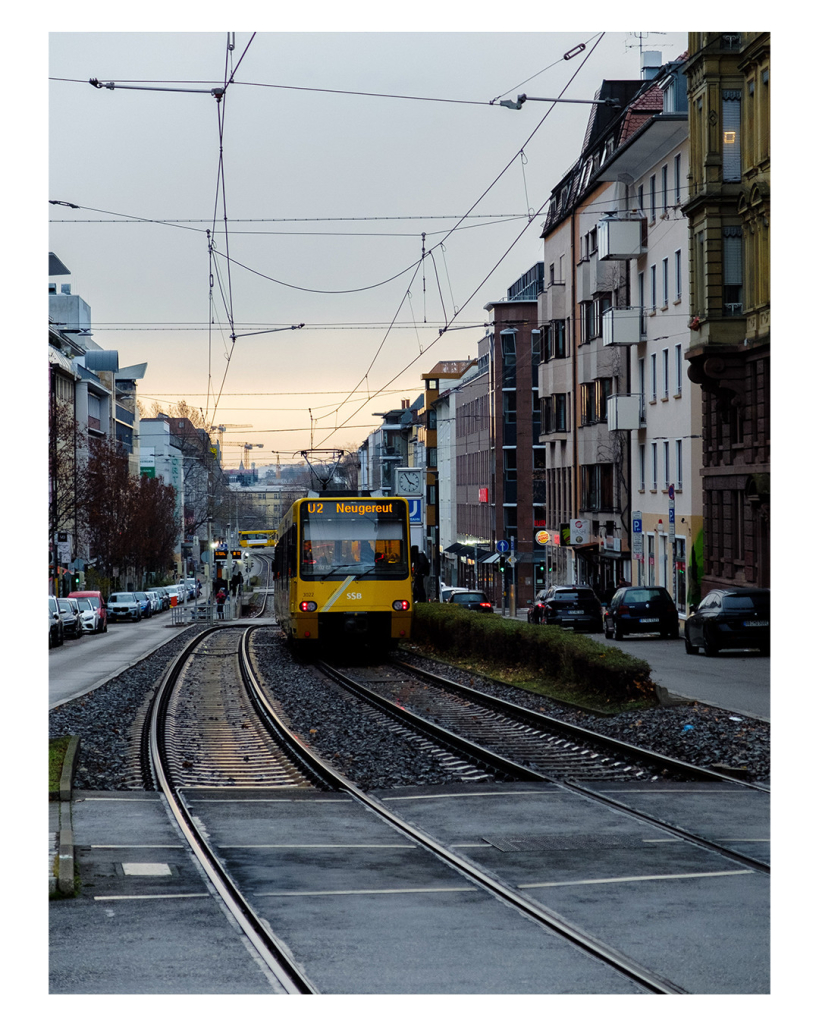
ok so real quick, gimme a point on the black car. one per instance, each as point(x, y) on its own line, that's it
point(570, 607)
point(474, 600)
point(641, 610)
point(724, 619)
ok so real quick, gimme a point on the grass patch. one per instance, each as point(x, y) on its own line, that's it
point(56, 757)
point(546, 660)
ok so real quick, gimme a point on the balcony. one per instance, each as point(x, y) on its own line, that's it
point(620, 239)
point(623, 412)
point(622, 326)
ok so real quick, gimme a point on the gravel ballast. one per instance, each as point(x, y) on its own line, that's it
point(375, 754)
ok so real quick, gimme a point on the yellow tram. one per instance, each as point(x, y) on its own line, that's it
point(342, 570)
point(257, 538)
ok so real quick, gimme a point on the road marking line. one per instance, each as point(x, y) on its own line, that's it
point(633, 878)
point(159, 896)
point(319, 846)
point(370, 892)
point(458, 796)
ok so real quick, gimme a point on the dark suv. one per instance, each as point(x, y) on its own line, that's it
point(474, 600)
point(738, 618)
point(641, 610)
point(570, 607)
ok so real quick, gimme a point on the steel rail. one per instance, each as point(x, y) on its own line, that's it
point(273, 954)
point(542, 721)
point(650, 980)
point(587, 735)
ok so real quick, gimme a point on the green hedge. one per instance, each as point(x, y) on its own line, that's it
point(572, 660)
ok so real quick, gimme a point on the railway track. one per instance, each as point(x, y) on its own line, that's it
point(215, 728)
point(525, 744)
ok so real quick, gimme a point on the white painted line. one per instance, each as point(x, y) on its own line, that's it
point(716, 840)
point(370, 892)
point(272, 800)
point(116, 800)
point(159, 896)
point(319, 846)
point(633, 878)
point(136, 846)
point(459, 796)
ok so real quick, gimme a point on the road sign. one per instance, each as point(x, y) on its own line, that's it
point(637, 522)
point(415, 512)
point(671, 514)
point(671, 492)
point(502, 547)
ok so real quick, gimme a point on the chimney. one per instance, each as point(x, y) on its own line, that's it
point(652, 61)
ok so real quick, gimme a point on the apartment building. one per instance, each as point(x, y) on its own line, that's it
point(659, 418)
point(728, 208)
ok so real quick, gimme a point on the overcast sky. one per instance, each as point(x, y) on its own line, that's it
point(328, 194)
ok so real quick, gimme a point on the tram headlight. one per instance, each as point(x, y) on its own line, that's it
point(401, 606)
point(308, 606)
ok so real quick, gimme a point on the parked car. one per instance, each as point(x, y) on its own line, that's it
point(122, 606)
point(575, 608)
point(55, 624)
point(164, 597)
point(474, 600)
point(641, 610)
point(447, 592)
point(70, 614)
point(738, 618)
point(145, 605)
point(92, 621)
point(156, 601)
point(98, 603)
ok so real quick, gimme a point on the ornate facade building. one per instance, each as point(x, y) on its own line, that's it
point(728, 209)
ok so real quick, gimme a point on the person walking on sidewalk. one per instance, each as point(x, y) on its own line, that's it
point(221, 597)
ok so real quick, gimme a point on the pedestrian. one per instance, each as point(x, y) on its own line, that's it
point(241, 581)
point(221, 597)
point(420, 568)
point(234, 583)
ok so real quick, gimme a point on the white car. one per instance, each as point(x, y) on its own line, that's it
point(156, 601)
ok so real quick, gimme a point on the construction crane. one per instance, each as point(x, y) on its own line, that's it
point(247, 447)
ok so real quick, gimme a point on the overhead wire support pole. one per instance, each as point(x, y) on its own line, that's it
point(217, 92)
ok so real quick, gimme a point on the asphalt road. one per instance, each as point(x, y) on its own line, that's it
point(738, 681)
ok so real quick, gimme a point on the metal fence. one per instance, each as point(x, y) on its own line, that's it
point(208, 611)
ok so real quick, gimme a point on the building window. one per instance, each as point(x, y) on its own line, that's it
point(665, 283)
point(678, 275)
point(653, 280)
point(535, 350)
point(654, 465)
point(559, 339)
point(679, 446)
point(551, 273)
point(640, 199)
point(732, 271)
point(666, 465)
point(604, 390)
point(560, 413)
point(597, 487)
point(641, 378)
point(587, 405)
point(731, 154)
point(641, 293)
point(677, 179)
point(642, 465)
point(665, 373)
point(652, 193)
point(678, 369)
point(664, 187)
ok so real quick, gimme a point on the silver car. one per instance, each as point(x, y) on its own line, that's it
point(123, 606)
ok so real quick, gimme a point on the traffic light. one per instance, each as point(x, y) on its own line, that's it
point(551, 566)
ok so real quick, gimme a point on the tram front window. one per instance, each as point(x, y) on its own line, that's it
point(345, 546)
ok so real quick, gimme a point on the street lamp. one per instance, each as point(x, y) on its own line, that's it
point(522, 98)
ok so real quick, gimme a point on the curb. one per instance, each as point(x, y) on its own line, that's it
point(65, 836)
